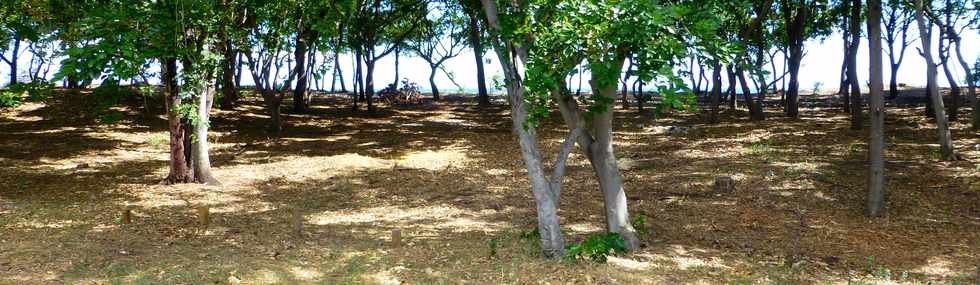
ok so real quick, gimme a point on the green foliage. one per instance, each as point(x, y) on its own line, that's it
point(596, 248)
point(9, 99)
point(37, 91)
point(640, 224)
point(493, 247)
point(762, 147)
point(109, 94)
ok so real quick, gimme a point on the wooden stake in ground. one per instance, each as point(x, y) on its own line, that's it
point(203, 216)
point(127, 215)
point(297, 222)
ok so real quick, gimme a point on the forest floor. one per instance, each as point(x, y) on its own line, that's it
point(449, 176)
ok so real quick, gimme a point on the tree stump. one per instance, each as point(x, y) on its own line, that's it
point(396, 238)
point(724, 184)
point(203, 215)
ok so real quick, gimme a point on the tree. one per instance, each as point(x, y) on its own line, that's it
point(550, 52)
point(952, 21)
point(854, 30)
point(897, 21)
point(440, 37)
point(476, 41)
point(925, 36)
point(802, 20)
point(876, 177)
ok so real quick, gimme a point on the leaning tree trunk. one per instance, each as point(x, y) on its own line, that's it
point(855, 32)
point(202, 160)
point(876, 178)
point(954, 88)
point(732, 89)
point(179, 172)
point(945, 138)
point(971, 82)
point(746, 91)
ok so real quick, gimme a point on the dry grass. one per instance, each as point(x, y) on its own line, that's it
point(449, 177)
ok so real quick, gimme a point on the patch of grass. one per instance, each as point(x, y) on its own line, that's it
point(9, 99)
point(762, 147)
point(158, 139)
point(596, 248)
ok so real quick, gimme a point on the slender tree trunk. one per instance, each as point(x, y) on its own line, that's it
point(945, 138)
point(432, 83)
point(796, 25)
point(732, 100)
point(369, 81)
point(971, 83)
point(893, 82)
point(855, 32)
point(179, 172)
point(229, 93)
point(715, 93)
point(396, 67)
point(238, 70)
point(13, 60)
point(300, 54)
point(358, 84)
point(746, 91)
point(481, 82)
point(876, 178)
point(954, 88)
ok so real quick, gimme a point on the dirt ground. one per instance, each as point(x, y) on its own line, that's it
point(449, 177)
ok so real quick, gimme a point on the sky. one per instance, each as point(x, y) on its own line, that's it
point(821, 65)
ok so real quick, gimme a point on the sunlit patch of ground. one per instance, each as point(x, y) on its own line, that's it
point(448, 177)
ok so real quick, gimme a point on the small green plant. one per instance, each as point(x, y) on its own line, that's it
point(855, 149)
point(493, 247)
point(640, 225)
point(10, 99)
point(596, 248)
point(158, 139)
point(37, 91)
point(935, 153)
point(762, 147)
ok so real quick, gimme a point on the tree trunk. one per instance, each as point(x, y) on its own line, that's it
point(396, 67)
point(954, 88)
point(945, 138)
point(202, 160)
point(876, 178)
point(607, 170)
point(971, 83)
point(432, 83)
point(272, 105)
point(746, 91)
point(715, 93)
point(796, 25)
point(893, 82)
point(229, 93)
point(358, 84)
point(179, 172)
point(732, 104)
point(13, 60)
point(238, 70)
point(369, 81)
point(855, 32)
point(299, 94)
point(481, 82)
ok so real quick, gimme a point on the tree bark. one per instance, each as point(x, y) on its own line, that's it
point(945, 138)
point(732, 104)
point(746, 91)
point(202, 160)
point(970, 81)
point(369, 81)
point(229, 92)
point(607, 170)
point(855, 31)
point(481, 82)
point(13, 60)
point(432, 82)
point(954, 88)
point(715, 93)
point(299, 54)
point(396, 67)
point(876, 178)
point(796, 18)
point(179, 172)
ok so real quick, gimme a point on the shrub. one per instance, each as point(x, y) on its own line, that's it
point(9, 99)
point(37, 91)
point(596, 248)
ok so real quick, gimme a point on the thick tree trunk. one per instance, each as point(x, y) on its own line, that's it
point(179, 172)
point(876, 177)
point(273, 105)
point(299, 54)
point(432, 83)
point(945, 138)
point(715, 93)
point(893, 83)
point(855, 32)
point(607, 169)
point(796, 21)
point(202, 160)
point(229, 92)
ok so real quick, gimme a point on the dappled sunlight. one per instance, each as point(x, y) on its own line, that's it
point(434, 160)
point(434, 217)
